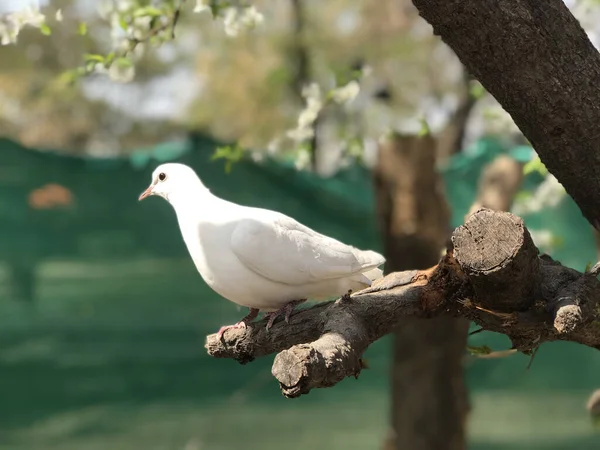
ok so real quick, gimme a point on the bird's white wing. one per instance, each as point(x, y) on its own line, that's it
point(286, 251)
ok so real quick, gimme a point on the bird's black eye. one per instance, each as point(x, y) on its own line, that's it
point(162, 176)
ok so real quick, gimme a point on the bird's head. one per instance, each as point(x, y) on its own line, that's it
point(173, 179)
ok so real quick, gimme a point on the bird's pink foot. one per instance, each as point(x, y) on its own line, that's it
point(241, 324)
point(285, 309)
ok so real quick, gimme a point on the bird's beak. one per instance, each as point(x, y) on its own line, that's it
point(146, 193)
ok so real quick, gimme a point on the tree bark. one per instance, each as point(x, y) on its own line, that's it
point(429, 398)
point(537, 61)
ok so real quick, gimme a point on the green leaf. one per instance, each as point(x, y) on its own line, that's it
point(82, 29)
point(355, 148)
point(557, 241)
point(523, 195)
point(69, 77)
point(491, 113)
point(90, 66)
point(123, 23)
point(425, 130)
point(148, 11)
point(477, 91)
point(93, 57)
point(123, 61)
point(535, 165)
point(479, 350)
point(45, 29)
point(230, 153)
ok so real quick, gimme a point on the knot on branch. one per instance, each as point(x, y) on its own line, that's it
point(567, 315)
point(574, 310)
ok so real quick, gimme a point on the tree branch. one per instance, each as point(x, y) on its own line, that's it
point(322, 345)
point(492, 275)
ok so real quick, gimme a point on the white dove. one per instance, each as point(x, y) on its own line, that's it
point(255, 257)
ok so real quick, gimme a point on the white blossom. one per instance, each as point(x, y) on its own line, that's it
point(301, 134)
point(274, 146)
point(28, 16)
point(547, 195)
point(117, 35)
point(7, 34)
point(140, 26)
point(252, 17)
point(309, 114)
point(12, 23)
point(231, 22)
point(345, 94)
point(100, 69)
point(125, 5)
point(314, 104)
point(496, 120)
point(237, 19)
point(543, 239)
point(302, 160)
point(257, 156)
point(201, 6)
point(105, 9)
point(59, 15)
point(121, 73)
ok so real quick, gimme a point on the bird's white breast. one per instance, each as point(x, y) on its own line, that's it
point(208, 243)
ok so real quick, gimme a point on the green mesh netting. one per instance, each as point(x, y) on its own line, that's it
point(103, 317)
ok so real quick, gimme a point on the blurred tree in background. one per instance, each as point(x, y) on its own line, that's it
point(205, 76)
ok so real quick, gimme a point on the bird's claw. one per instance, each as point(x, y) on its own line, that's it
point(241, 324)
point(270, 321)
point(224, 328)
point(287, 309)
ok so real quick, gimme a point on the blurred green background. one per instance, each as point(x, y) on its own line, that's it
point(103, 317)
point(102, 314)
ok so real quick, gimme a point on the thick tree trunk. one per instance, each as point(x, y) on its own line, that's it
point(429, 399)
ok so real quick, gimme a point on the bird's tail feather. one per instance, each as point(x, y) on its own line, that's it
point(367, 278)
point(374, 274)
point(370, 258)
